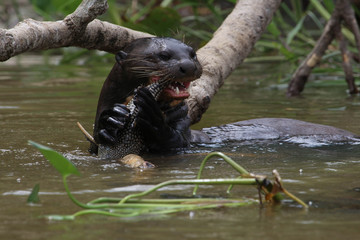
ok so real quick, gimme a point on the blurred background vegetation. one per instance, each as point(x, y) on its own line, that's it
point(290, 36)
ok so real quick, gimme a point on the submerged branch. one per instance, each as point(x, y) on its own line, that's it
point(302, 73)
point(343, 12)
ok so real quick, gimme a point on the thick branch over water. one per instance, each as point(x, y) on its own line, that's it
point(231, 43)
point(77, 29)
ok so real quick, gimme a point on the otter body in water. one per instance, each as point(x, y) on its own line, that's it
point(161, 120)
point(274, 129)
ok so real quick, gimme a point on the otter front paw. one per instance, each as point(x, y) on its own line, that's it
point(150, 119)
point(161, 131)
point(112, 122)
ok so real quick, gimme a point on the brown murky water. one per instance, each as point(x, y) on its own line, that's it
point(43, 103)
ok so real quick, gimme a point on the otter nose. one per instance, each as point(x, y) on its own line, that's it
point(187, 67)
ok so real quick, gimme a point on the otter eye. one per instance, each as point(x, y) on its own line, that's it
point(165, 56)
point(193, 54)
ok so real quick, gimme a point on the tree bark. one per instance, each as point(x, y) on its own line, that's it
point(300, 77)
point(343, 12)
point(230, 45)
point(346, 58)
point(78, 29)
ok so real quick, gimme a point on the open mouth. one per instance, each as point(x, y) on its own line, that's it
point(175, 90)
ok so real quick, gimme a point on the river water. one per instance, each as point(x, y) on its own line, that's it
point(43, 102)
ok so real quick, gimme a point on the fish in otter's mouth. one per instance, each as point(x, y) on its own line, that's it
point(175, 90)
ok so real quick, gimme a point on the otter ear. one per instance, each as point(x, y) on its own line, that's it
point(120, 56)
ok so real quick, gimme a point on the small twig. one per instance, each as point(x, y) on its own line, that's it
point(260, 197)
point(282, 189)
point(300, 77)
point(86, 133)
point(346, 63)
point(350, 21)
point(343, 12)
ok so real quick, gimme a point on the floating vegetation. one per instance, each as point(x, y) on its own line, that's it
point(136, 205)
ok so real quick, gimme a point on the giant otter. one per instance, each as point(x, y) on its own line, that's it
point(163, 122)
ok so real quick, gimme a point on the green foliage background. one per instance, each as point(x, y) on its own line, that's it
point(289, 37)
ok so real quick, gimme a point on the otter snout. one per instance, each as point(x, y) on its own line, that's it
point(188, 68)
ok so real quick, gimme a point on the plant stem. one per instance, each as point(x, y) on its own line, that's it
point(232, 163)
point(70, 195)
point(172, 203)
point(298, 200)
point(92, 211)
point(249, 181)
point(162, 210)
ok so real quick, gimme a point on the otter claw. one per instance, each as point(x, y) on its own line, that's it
point(104, 136)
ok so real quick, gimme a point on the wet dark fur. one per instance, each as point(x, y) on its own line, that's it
point(134, 65)
point(150, 56)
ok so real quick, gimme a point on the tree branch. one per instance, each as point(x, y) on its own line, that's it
point(346, 57)
point(343, 12)
point(302, 73)
point(230, 45)
point(77, 29)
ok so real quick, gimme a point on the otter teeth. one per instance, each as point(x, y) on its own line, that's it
point(177, 90)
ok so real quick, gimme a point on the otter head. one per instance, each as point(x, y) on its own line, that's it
point(147, 60)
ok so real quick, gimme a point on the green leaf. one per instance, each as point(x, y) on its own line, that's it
point(50, 9)
point(294, 31)
point(34, 195)
point(160, 21)
point(273, 29)
point(329, 4)
point(66, 6)
point(288, 54)
point(62, 164)
point(319, 7)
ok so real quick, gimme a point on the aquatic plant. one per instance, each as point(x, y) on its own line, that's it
point(135, 205)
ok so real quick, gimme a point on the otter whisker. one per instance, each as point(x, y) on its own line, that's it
point(144, 68)
point(141, 60)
